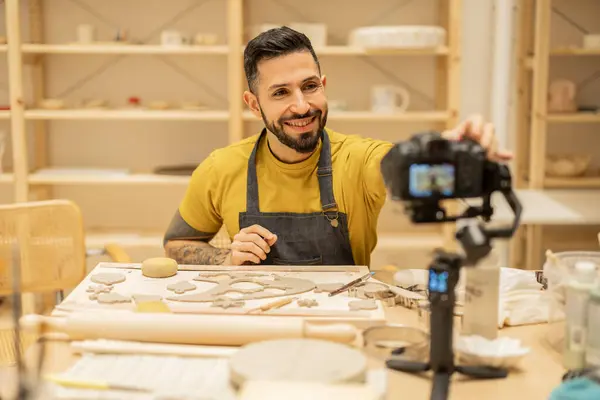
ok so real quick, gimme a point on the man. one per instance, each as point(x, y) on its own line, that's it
point(298, 193)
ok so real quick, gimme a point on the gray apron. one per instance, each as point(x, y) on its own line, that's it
point(318, 238)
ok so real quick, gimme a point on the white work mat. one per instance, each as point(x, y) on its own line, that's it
point(167, 378)
point(336, 307)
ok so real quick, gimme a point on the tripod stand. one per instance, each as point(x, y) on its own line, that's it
point(444, 272)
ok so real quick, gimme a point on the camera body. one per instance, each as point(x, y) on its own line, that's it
point(430, 168)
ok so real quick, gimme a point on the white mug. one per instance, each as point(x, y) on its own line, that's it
point(86, 33)
point(384, 99)
point(171, 38)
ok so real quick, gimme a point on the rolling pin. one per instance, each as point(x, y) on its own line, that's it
point(220, 330)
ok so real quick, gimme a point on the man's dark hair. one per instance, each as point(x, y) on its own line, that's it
point(270, 44)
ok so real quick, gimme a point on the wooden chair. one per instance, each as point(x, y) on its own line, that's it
point(51, 254)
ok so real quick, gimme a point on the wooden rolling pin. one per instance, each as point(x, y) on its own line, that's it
point(220, 330)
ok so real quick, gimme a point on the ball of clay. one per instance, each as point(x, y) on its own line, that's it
point(159, 267)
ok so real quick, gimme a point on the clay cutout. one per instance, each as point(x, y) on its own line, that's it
point(144, 298)
point(108, 278)
point(327, 287)
point(287, 287)
point(368, 290)
point(181, 287)
point(226, 302)
point(308, 303)
point(357, 305)
point(112, 298)
point(95, 290)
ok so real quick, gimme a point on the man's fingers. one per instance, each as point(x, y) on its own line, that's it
point(242, 257)
point(272, 241)
point(252, 238)
point(251, 247)
point(504, 155)
point(487, 139)
point(265, 233)
point(474, 127)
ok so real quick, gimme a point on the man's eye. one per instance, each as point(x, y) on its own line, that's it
point(311, 86)
point(279, 93)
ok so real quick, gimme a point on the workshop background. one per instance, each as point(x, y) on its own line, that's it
point(123, 98)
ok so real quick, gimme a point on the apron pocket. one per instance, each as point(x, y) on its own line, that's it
point(309, 261)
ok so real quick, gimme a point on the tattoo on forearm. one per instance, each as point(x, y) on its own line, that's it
point(198, 254)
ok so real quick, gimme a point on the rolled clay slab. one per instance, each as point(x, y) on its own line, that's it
point(310, 360)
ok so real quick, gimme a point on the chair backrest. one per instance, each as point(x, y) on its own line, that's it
point(51, 245)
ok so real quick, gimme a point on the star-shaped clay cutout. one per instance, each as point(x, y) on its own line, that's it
point(226, 302)
point(308, 303)
point(95, 290)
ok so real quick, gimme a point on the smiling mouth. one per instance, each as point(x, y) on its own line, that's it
point(300, 123)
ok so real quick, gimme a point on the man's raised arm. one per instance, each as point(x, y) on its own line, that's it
point(187, 245)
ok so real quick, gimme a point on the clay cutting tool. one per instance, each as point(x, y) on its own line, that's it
point(349, 285)
point(84, 384)
point(272, 305)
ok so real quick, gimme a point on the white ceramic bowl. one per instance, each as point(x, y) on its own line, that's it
point(502, 352)
point(401, 36)
point(563, 165)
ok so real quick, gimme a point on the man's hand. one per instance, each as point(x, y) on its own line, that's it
point(483, 133)
point(251, 245)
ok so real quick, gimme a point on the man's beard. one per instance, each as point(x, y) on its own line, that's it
point(305, 143)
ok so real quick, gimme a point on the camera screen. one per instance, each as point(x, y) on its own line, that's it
point(427, 179)
point(438, 282)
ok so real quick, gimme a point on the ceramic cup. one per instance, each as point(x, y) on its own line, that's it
point(389, 99)
point(171, 38)
point(86, 33)
point(591, 41)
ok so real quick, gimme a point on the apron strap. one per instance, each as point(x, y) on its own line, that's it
point(252, 180)
point(324, 175)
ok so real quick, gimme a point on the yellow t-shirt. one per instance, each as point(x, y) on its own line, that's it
point(217, 191)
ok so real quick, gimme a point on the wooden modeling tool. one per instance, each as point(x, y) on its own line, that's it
point(349, 285)
point(272, 305)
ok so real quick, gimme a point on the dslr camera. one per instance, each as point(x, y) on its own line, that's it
point(428, 169)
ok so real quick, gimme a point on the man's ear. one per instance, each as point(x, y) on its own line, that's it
point(324, 80)
point(252, 102)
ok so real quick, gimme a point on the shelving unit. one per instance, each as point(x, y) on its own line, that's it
point(550, 42)
point(64, 137)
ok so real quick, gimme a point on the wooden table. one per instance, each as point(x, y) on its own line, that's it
point(541, 370)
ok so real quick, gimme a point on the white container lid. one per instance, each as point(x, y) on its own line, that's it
point(585, 271)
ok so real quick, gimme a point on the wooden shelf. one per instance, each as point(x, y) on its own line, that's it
point(122, 49)
point(359, 51)
point(574, 118)
point(220, 49)
point(575, 52)
point(48, 178)
point(551, 207)
point(367, 116)
point(4, 114)
point(584, 183)
point(182, 115)
point(98, 239)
